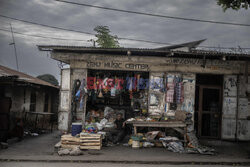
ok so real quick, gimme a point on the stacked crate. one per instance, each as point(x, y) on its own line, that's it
point(68, 141)
point(90, 141)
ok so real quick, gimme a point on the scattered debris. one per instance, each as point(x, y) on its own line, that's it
point(175, 147)
point(4, 145)
point(62, 152)
point(148, 144)
point(76, 151)
point(195, 147)
point(57, 146)
point(34, 134)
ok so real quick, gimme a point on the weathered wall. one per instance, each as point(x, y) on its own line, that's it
point(64, 106)
point(20, 96)
point(235, 109)
point(243, 125)
point(17, 97)
point(40, 97)
point(229, 107)
point(189, 81)
point(150, 63)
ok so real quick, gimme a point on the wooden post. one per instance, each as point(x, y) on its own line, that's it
point(135, 130)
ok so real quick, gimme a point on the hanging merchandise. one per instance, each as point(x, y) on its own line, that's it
point(179, 92)
point(100, 95)
point(129, 81)
point(138, 82)
point(174, 89)
point(170, 92)
point(105, 85)
point(113, 91)
point(82, 94)
point(135, 82)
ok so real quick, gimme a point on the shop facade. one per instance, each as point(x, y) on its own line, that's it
point(211, 87)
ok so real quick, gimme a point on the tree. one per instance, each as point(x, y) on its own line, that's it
point(234, 4)
point(104, 38)
point(48, 78)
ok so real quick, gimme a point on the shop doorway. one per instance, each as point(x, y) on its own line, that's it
point(208, 106)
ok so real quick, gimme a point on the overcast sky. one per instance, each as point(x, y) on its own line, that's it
point(50, 12)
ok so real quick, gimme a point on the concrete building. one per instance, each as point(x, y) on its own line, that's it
point(211, 86)
point(22, 97)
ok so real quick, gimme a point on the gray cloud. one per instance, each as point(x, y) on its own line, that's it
point(122, 24)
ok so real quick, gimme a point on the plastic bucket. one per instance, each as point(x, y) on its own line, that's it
point(76, 128)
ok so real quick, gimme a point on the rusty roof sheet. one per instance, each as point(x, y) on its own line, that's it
point(156, 50)
point(7, 72)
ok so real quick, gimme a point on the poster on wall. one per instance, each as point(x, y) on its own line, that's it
point(228, 128)
point(244, 130)
point(229, 107)
point(243, 108)
point(154, 100)
point(156, 83)
point(230, 85)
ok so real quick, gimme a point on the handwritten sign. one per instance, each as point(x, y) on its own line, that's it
point(117, 65)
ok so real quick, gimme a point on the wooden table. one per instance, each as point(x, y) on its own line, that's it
point(177, 125)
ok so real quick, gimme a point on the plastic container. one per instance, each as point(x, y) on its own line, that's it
point(135, 144)
point(136, 138)
point(76, 128)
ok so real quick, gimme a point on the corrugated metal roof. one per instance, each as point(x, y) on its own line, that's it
point(19, 76)
point(84, 48)
point(155, 50)
point(209, 52)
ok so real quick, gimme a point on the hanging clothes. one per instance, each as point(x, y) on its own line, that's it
point(138, 82)
point(129, 83)
point(113, 91)
point(179, 94)
point(169, 89)
point(170, 93)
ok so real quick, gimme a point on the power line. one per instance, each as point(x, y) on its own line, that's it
point(77, 31)
point(45, 25)
point(80, 40)
point(39, 36)
point(82, 32)
point(155, 15)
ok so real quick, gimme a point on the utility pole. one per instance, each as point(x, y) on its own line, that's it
point(13, 43)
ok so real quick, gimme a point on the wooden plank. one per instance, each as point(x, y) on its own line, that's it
point(179, 130)
point(90, 144)
point(89, 134)
point(69, 146)
point(90, 138)
point(70, 138)
point(58, 145)
point(71, 143)
point(90, 141)
point(90, 147)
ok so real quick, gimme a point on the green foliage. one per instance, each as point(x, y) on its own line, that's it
point(104, 38)
point(48, 78)
point(234, 4)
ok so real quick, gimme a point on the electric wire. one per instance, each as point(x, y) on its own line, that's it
point(88, 33)
point(154, 15)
